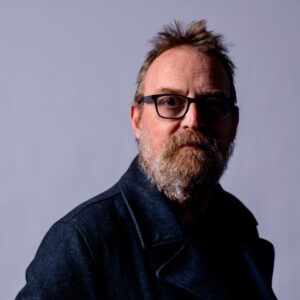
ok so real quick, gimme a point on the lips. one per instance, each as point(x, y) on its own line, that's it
point(195, 146)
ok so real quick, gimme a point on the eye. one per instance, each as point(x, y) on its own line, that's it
point(171, 101)
point(217, 108)
point(171, 106)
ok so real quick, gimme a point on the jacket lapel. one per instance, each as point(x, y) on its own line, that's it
point(189, 271)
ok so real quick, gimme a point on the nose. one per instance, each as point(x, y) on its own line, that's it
point(192, 118)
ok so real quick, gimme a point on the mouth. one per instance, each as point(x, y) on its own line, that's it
point(192, 146)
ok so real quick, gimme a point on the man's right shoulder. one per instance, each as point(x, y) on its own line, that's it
point(99, 216)
point(73, 246)
point(94, 206)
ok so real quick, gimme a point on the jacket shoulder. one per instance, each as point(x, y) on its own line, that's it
point(97, 220)
point(231, 211)
point(94, 205)
point(73, 248)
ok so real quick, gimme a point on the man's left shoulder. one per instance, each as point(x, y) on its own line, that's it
point(231, 207)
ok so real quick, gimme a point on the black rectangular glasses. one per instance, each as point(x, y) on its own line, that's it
point(172, 106)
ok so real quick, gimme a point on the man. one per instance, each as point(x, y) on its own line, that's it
point(166, 230)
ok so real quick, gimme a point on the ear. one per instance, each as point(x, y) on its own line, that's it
point(135, 118)
point(235, 115)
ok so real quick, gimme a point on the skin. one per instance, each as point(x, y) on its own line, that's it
point(186, 71)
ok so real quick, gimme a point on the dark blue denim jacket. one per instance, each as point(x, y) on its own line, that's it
point(127, 244)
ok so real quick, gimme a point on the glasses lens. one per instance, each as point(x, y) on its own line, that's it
point(171, 106)
point(215, 109)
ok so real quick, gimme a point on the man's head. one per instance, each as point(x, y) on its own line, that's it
point(184, 144)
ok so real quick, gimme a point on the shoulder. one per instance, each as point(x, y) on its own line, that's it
point(234, 215)
point(97, 208)
point(237, 208)
point(91, 224)
point(69, 251)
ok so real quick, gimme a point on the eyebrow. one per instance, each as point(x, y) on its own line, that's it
point(165, 90)
point(211, 92)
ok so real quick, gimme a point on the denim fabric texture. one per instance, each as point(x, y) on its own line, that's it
point(128, 244)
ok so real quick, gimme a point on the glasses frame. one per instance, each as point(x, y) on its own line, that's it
point(228, 101)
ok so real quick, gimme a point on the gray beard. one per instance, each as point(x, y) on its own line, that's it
point(184, 174)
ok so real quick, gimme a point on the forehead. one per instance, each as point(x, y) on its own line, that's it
point(187, 70)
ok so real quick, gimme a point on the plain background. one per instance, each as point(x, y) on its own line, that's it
point(67, 77)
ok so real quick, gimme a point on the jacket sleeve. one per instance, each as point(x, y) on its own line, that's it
point(63, 268)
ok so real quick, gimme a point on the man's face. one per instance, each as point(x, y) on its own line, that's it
point(185, 71)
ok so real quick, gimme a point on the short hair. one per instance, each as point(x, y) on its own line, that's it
point(194, 34)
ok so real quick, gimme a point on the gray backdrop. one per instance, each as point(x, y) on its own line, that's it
point(67, 77)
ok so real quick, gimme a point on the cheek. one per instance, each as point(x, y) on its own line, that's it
point(158, 132)
point(223, 133)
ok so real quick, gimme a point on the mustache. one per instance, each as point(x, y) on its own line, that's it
point(191, 137)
